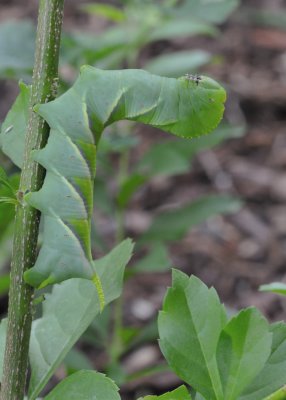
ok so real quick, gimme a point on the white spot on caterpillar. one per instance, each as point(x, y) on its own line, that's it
point(9, 129)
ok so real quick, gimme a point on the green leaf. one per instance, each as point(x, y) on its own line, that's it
point(280, 394)
point(3, 329)
point(4, 180)
point(3, 175)
point(128, 188)
point(79, 48)
point(223, 132)
point(7, 218)
point(98, 332)
point(189, 329)
point(116, 372)
point(102, 198)
point(164, 159)
point(174, 156)
point(76, 360)
point(243, 349)
point(105, 10)
point(6, 237)
point(180, 393)
point(67, 313)
point(275, 287)
point(85, 385)
point(199, 397)
point(173, 225)
point(178, 63)
point(147, 372)
point(9, 200)
point(113, 142)
point(265, 17)
point(272, 376)
point(4, 284)
point(147, 334)
point(13, 129)
point(215, 11)
point(17, 40)
point(157, 260)
point(182, 27)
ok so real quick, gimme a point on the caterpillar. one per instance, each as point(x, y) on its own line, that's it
point(77, 119)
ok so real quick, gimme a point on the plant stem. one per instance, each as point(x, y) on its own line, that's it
point(44, 86)
point(121, 211)
point(116, 342)
point(278, 395)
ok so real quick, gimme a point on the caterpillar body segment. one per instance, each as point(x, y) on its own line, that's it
point(66, 202)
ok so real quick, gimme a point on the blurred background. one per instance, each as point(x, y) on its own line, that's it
point(214, 207)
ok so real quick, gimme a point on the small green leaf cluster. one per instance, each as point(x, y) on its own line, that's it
point(237, 358)
point(242, 357)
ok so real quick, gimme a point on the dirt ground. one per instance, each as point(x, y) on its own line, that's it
point(236, 253)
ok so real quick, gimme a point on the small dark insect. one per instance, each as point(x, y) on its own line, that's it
point(194, 78)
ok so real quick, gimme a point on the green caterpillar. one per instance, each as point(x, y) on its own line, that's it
point(184, 107)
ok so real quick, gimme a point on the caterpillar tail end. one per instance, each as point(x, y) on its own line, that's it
point(97, 282)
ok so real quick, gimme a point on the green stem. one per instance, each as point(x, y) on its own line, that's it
point(278, 395)
point(116, 343)
point(44, 86)
point(120, 212)
point(116, 346)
